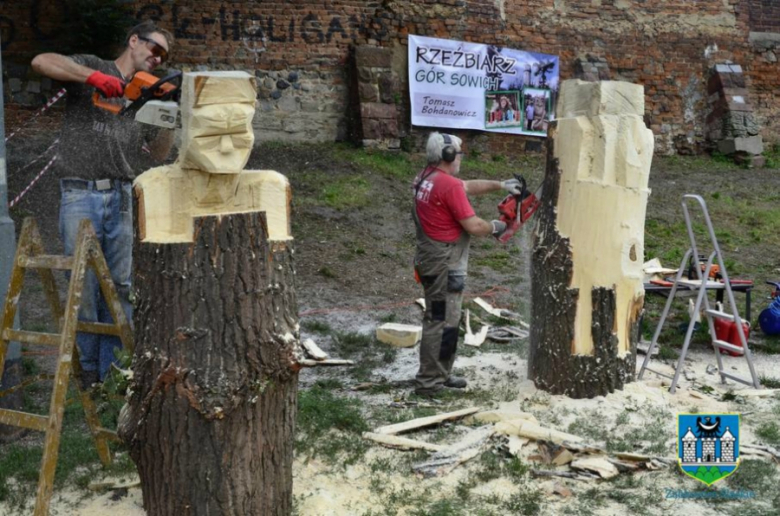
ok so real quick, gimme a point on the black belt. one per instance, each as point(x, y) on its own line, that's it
point(99, 184)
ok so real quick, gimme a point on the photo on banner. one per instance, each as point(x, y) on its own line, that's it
point(461, 85)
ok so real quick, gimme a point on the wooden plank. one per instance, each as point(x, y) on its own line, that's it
point(47, 261)
point(307, 362)
point(23, 420)
point(402, 443)
point(451, 457)
point(532, 430)
point(32, 337)
point(425, 421)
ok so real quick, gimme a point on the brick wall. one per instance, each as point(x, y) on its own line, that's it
point(299, 50)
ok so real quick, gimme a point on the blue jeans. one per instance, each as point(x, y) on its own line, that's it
point(111, 214)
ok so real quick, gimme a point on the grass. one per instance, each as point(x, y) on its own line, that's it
point(769, 433)
point(77, 462)
point(347, 192)
point(394, 165)
point(330, 427)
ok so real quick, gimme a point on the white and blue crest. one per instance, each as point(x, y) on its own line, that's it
point(708, 445)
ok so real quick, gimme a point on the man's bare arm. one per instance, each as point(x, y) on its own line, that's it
point(476, 226)
point(481, 186)
point(60, 68)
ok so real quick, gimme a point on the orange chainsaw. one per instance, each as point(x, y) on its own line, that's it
point(148, 99)
point(516, 209)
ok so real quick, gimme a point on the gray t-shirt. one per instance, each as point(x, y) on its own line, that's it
point(96, 144)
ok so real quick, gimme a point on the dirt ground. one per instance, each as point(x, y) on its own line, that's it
point(354, 271)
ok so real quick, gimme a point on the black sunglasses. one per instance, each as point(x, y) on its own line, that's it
point(157, 49)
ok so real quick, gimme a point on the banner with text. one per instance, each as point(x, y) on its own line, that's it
point(473, 86)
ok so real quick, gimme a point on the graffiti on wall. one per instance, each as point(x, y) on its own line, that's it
point(226, 24)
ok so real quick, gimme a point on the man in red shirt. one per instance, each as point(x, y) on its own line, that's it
point(445, 221)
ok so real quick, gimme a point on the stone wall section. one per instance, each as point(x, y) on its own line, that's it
point(668, 46)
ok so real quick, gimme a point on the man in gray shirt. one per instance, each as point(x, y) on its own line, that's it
point(100, 154)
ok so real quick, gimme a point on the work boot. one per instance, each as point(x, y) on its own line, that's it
point(456, 382)
point(88, 379)
point(428, 393)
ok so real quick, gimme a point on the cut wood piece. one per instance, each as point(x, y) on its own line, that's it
point(623, 466)
point(532, 430)
point(420, 302)
point(335, 362)
point(425, 421)
point(399, 335)
point(498, 415)
point(757, 393)
point(636, 457)
point(113, 486)
point(586, 476)
point(587, 289)
point(313, 350)
point(598, 465)
point(451, 457)
point(499, 312)
point(402, 443)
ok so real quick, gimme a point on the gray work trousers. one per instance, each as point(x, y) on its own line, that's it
point(442, 270)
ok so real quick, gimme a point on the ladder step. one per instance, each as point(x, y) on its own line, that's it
point(722, 344)
point(32, 337)
point(720, 315)
point(100, 328)
point(24, 420)
point(659, 373)
point(107, 434)
point(47, 261)
point(735, 378)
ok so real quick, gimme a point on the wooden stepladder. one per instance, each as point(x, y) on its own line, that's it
point(87, 256)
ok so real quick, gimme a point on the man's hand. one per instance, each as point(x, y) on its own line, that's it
point(498, 228)
point(107, 85)
point(512, 186)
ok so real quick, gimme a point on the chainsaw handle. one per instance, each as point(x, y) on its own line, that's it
point(103, 104)
point(523, 185)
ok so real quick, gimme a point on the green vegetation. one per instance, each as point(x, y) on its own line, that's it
point(330, 427)
point(769, 433)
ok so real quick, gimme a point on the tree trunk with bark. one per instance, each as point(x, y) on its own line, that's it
point(587, 283)
point(211, 415)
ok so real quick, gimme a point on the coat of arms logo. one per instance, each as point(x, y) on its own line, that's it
point(708, 445)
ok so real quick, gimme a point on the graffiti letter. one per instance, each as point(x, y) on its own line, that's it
point(270, 31)
point(335, 26)
point(149, 12)
point(7, 30)
point(180, 29)
point(235, 25)
point(311, 23)
point(357, 26)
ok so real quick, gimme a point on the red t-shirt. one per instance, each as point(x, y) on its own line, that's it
point(441, 203)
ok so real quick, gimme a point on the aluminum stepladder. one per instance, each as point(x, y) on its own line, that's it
point(702, 287)
point(87, 255)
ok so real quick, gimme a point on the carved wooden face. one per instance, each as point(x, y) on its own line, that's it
point(217, 112)
point(220, 137)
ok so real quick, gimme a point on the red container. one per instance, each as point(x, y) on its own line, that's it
point(727, 332)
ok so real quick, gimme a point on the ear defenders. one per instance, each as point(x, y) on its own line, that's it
point(448, 153)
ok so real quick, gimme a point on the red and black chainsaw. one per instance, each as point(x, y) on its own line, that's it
point(516, 209)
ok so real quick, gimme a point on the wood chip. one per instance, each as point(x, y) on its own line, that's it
point(562, 490)
point(425, 421)
point(497, 415)
point(598, 465)
point(562, 457)
point(313, 350)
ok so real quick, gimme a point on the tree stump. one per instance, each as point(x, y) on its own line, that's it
point(587, 282)
point(213, 403)
point(210, 419)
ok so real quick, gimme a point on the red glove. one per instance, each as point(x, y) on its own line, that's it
point(107, 85)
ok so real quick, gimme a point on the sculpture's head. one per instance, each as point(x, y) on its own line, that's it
point(217, 111)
